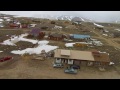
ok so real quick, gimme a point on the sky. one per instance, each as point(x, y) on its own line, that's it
point(101, 16)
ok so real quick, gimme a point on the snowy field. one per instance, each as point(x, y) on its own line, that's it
point(42, 45)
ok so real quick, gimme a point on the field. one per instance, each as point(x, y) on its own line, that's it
point(26, 68)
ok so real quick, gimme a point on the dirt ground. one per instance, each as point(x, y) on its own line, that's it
point(26, 68)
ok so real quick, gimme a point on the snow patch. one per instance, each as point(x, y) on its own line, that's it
point(8, 42)
point(14, 39)
point(117, 29)
point(58, 27)
point(37, 50)
point(1, 51)
point(82, 19)
point(8, 19)
point(33, 25)
point(105, 34)
point(98, 25)
point(106, 31)
point(69, 44)
point(111, 63)
point(1, 20)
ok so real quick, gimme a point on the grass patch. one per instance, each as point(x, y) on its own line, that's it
point(10, 32)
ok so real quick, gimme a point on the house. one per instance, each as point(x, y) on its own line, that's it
point(56, 36)
point(24, 25)
point(66, 22)
point(79, 37)
point(14, 25)
point(36, 32)
point(71, 57)
point(52, 22)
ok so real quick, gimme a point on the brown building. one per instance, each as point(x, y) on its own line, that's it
point(56, 36)
point(76, 57)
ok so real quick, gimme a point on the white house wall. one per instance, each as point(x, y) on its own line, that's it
point(58, 60)
point(70, 61)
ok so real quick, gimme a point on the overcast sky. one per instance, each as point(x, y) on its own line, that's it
point(95, 15)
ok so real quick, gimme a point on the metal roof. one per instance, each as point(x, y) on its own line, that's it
point(79, 36)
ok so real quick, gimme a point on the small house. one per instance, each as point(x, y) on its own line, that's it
point(13, 25)
point(24, 25)
point(56, 36)
point(37, 33)
point(52, 22)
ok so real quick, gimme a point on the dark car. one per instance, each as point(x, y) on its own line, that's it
point(5, 58)
point(75, 66)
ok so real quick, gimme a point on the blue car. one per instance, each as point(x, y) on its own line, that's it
point(71, 71)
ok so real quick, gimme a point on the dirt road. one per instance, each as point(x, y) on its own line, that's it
point(110, 41)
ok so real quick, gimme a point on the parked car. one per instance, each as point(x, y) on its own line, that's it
point(5, 58)
point(75, 66)
point(58, 65)
point(71, 71)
